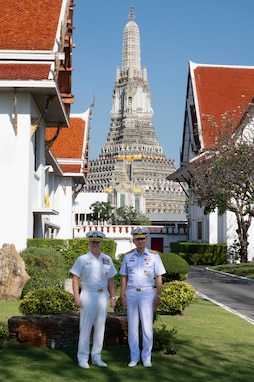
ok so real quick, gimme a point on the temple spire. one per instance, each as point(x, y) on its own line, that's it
point(132, 167)
point(131, 61)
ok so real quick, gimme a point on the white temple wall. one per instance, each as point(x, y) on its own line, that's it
point(17, 168)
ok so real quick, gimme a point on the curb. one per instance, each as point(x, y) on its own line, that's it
point(229, 274)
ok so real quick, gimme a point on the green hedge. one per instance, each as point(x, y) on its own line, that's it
point(201, 253)
point(177, 268)
point(70, 249)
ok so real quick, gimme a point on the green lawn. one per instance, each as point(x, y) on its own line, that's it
point(211, 345)
point(244, 270)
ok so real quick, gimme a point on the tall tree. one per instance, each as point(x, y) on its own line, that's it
point(128, 215)
point(101, 211)
point(223, 177)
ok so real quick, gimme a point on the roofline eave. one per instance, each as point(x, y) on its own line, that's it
point(40, 90)
point(51, 160)
point(30, 55)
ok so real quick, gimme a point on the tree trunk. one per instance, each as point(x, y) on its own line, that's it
point(242, 232)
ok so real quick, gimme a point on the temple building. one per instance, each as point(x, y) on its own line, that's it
point(132, 167)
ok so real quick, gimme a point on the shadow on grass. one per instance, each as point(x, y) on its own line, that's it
point(19, 362)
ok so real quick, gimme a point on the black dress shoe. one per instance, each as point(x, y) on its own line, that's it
point(170, 351)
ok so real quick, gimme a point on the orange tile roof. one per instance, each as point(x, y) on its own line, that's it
point(29, 24)
point(24, 71)
point(221, 89)
point(73, 168)
point(32, 33)
point(69, 145)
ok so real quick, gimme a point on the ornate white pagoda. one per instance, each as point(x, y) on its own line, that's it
point(132, 167)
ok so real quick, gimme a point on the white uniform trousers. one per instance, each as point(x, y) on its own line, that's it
point(92, 314)
point(140, 309)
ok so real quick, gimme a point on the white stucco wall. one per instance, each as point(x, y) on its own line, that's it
point(217, 229)
point(63, 202)
point(83, 201)
point(212, 221)
point(17, 170)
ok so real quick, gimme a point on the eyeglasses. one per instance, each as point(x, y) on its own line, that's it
point(141, 238)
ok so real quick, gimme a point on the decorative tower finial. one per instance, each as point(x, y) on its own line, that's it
point(131, 14)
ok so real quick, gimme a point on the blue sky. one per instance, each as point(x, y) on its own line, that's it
point(172, 33)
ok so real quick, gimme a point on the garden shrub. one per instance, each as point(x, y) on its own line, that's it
point(46, 301)
point(119, 306)
point(162, 337)
point(4, 334)
point(46, 268)
point(117, 277)
point(175, 296)
point(120, 257)
point(201, 253)
point(177, 268)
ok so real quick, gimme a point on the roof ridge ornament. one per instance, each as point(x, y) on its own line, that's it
point(131, 14)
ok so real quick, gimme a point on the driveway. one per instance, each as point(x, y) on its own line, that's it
point(235, 294)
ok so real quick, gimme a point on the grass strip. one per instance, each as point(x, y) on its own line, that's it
point(211, 345)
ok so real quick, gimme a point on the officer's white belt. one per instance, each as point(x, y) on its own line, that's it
point(140, 289)
point(89, 289)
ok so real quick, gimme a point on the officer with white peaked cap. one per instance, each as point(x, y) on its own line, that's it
point(95, 235)
point(96, 271)
point(140, 267)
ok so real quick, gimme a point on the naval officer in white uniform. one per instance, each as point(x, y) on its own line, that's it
point(141, 271)
point(96, 271)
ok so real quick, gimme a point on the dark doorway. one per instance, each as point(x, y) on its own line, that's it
point(157, 244)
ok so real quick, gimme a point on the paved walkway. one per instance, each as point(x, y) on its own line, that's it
point(235, 294)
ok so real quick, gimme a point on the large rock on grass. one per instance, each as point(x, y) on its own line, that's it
point(13, 275)
point(61, 330)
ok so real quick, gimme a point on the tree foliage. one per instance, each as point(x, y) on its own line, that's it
point(128, 215)
point(103, 211)
point(223, 177)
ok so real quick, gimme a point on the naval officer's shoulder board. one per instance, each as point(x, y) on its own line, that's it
point(153, 251)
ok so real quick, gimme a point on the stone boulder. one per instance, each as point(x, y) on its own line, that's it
point(13, 275)
point(61, 330)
